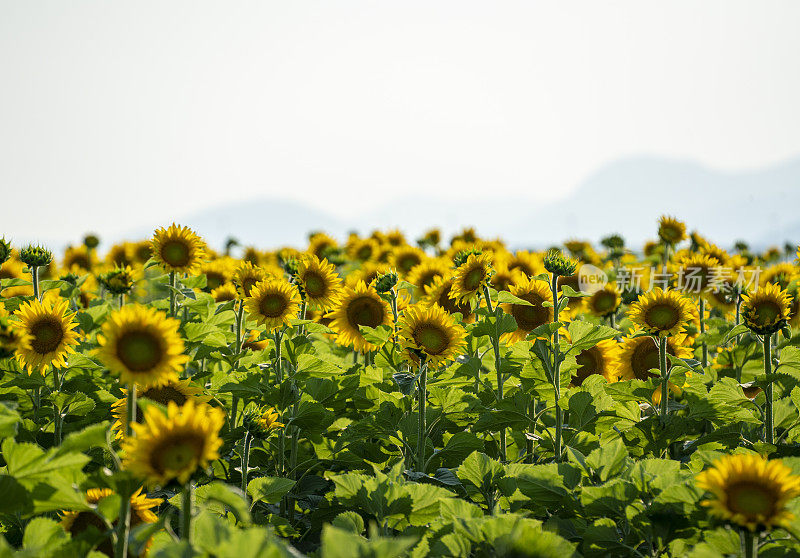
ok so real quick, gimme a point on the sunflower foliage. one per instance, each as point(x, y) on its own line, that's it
point(367, 397)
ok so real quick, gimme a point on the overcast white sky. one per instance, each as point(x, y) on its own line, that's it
point(117, 113)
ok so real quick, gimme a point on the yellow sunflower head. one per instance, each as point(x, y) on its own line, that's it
point(781, 274)
point(405, 258)
point(696, 272)
point(224, 292)
point(766, 310)
point(9, 337)
point(362, 249)
point(175, 391)
point(178, 249)
point(638, 355)
point(600, 359)
point(320, 244)
point(253, 341)
point(218, 272)
point(46, 334)
point(470, 277)
point(439, 291)
point(603, 302)
point(529, 263)
point(359, 306)
point(263, 421)
point(530, 317)
point(431, 332)
point(319, 281)
point(670, 230)
point(78, 259)
point(142, 345)
point(750, 491)
point(173, 445)
point(662, 313)
point(504, 277)
point(425, 274)
point(247, 275)
point(273, 303)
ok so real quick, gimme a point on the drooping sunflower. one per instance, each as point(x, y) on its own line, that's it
point(527, 317)
point(247, 275)
point(425, 274)
point(319, 281)
point(273, 303)
point(178, 249)
point(600, 359)
point(603, 301)
point(405, 258)
point(662, 313)
point(142, 345)
point(359, 306)
point(431, 331)
point(439, 293)
point(268, 420)
point(175, 391)
point(670, 230)
point(175, 445)
point(638, 355)
point(470, 277)
point(766, 310)
point(46, 334)
point(76, 523)
point(750, 491)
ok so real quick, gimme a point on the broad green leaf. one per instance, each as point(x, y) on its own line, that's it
point(269, 489)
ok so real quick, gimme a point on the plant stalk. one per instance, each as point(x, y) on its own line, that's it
point(186, 511)
point(422, 391)
point(662, 363)
point(557, 373)
point(769, 427)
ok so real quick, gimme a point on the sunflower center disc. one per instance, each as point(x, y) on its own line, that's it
point(315, 285)
point(530, 317)
point(175, 253)
point(407, 263)
point(139, 351)
point(47, 334)
point(213, 280)
point(750, 499)
point(644, 358)
point(364, 311)
point(587, 365)
point(164, 394)
point(431, 339)
point(178, 455)
point(662, 316)
point(272, 305)
point(473, 279)
point(767, 312)
point(604, 302)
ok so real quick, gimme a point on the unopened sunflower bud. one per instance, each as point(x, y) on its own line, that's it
point(556, 263)
point(35, 256)
point(464, 255)
point(5, 250)
point(91, 241)
point(118, 281)
point(385, 282)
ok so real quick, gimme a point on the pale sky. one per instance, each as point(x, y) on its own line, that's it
point(114, 114)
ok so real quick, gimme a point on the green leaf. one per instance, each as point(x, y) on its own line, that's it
point(337, 543)
point(349, 521)
point(549, 485)
point(8, 422)
point(506, 297)
point(789, 362)
point(219, 497)
point(569, 292)
point(585, 335)
point(481, 471)
point(458, 447)
point(609, 499)
point(92, 436)
point(43, 536)
point(609, 459)
point(269, 489)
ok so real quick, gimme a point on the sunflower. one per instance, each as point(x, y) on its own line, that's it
point(14, 269)
point(750, 491)
point(359, 306)
point(503, 276)
point(766, 310)
point(438, 292)
point(247, 275)
point(600, 359)
point(781, 274)
point(217, 272)
point(273, 302)
point(175, 391)
point(527, 262)
point(362, 249)
point(425, 274)
point(527, 317)
point(253, 342)
point(224, 292)
point(76, 523)
point(395, 238)
point(603, 302)
point(670, 230)
point(46, 334)
point(178, 249)
point(320, 244)
point(406, 258)
point(368, 272)
point(430, 330)
point(319, 281)
point(175, 445)
point(269, 419)
point(638, 355)
point(696, 272)
point(142, 251)
point(78, 259)
point(120, 254)
point(470, 277)
point(662, 313)
point(142, 345)
point(9, 338)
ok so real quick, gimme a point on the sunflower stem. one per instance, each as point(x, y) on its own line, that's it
point(248, 439)
point(172, 301)
point(557, 372)
point(662, 363)
point(56, 410)
point(703, 344)
point(121, 300)
point(496, 348)
point(749, 546)
point(186, 511)
point(35, 281)
point(769, 429)
point(422, 393)
point(738, 337)
point(124, 521)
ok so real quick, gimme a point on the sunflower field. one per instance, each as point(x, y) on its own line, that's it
point(389, 397)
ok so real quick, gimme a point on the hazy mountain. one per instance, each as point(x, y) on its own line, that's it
point(625, 197)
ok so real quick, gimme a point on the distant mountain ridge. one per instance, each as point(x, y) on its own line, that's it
point(624, 197)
